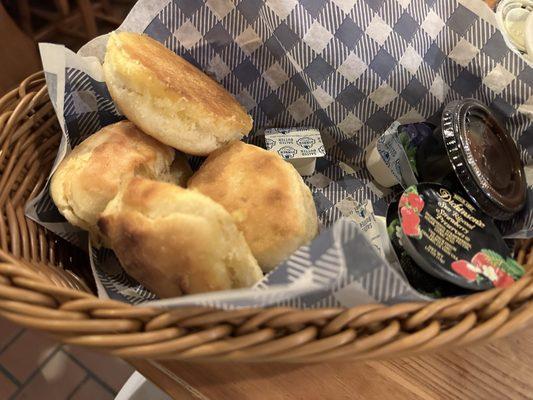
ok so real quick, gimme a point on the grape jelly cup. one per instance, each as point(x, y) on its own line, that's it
point(473, 153)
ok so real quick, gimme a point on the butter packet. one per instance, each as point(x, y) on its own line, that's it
point(390, 157)
point(299, 146)
point(362, 213)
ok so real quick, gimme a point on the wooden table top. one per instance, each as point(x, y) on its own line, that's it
point(498, 370)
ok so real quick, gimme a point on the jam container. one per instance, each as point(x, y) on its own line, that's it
point(418, 278)
point(451, 239)
point(473, 153)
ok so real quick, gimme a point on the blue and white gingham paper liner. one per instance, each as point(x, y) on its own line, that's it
point(322, 274)
point(347, 68)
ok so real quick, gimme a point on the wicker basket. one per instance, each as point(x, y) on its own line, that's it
point(38, 290)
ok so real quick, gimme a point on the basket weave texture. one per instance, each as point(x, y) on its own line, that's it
point(37, 291)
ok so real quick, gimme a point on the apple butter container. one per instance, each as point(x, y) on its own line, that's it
point(299, 146)
point(471, 152)
point(452, 240)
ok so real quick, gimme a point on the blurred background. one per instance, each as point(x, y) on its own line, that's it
point(24, 23)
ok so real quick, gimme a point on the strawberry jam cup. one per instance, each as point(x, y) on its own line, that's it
point(472, 153)
point(451, 239)
point(418, 278)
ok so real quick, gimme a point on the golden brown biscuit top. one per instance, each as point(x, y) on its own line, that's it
point(116, 149)
point(90, 176)
point(182, 78)
point(145, 196)
point(175, 240)
point(270, 203)
point(160, 199)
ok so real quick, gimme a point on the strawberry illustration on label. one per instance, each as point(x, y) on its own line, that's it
point(481, 259)
point(487, 264)
point(411, 199)
point(465, 269)
point(410, 222)
point(503, 279)
point(403, 201)
point(504, 271)
point(411, 204)
point(415, 201)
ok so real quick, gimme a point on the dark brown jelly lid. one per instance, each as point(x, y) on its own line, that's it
point(484, 158)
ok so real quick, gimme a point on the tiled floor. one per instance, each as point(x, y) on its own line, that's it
point(33, 366)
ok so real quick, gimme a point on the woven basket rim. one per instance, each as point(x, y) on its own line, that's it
point(37, 292)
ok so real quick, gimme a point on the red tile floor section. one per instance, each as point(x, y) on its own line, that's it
point(33, 366)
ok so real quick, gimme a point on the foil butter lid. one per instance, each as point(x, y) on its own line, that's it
point(451, 239)
point(299, 146)
point(484, 158)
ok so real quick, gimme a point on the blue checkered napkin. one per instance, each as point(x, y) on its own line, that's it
point(348, 68)
point(112, 279)
point(322, 274)
point(88, 106)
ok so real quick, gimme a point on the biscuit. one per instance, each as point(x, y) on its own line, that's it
point(169, 98)
point(176, 241)
point(266, 196)
point(92, 173)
